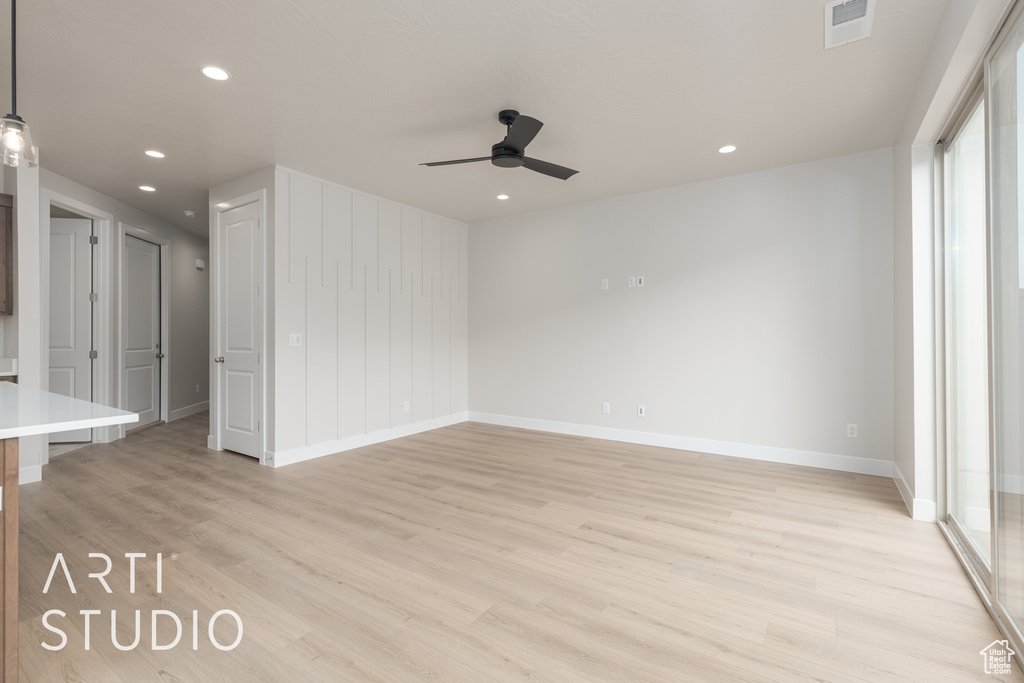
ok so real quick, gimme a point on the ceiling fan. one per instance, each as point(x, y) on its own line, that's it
point(510, 152)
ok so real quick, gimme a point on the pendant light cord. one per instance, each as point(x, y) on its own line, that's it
point(14, 63)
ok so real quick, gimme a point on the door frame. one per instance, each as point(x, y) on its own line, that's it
point(217, 212)
point(124, 230)
point(106, 284)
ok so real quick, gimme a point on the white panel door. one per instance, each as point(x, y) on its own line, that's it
point(239, 329)
point(142, 354)
point(70, 315)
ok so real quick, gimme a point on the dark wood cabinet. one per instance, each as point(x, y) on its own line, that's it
point(6, 254)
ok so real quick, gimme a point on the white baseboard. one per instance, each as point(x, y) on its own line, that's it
point(211, 443)
point(188, 410)
point(829, 461)
point(30, 474)
point(919, 508)
point(318, 450)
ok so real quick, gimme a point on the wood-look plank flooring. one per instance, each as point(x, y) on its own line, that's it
point(480, 553)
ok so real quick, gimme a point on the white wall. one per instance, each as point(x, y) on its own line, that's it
point(378, 292)
point(189, 293)
point(765, 325)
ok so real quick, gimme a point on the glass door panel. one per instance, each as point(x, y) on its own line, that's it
point(967, 337)
point(1005, 71)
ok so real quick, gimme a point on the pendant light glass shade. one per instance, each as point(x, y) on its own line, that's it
point(16, 142)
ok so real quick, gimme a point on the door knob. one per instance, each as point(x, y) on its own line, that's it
point(159, 355)
point(218, 359)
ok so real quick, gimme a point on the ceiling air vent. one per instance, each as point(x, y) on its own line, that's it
point(846, 21)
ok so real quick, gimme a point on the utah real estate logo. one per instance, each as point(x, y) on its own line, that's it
point(998, 657)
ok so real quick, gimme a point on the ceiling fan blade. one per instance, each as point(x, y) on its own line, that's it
point(523, 130)
point(547, 168)
point(455, 161)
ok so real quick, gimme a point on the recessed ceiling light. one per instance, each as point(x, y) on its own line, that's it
point(190, 213)
point(155, 154)
point(147, 188)
point(216, 73)
point(503, 197)
point(727, 149)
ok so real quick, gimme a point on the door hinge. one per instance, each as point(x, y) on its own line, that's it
point(257, 425)
point(94, 239)
point(94, 297)
point(93, 355)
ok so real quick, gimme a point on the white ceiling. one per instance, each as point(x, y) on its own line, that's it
point(635, 94)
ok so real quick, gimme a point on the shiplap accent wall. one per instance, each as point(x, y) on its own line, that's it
point(378, 292)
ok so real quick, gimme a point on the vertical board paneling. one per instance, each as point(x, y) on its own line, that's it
point(307, 220)
point(401, 349)
point(364, 240)
point(338, 254)
point(338, 231)
point(304, 231)
point(431, 251)
point(307, 225)
point(380, 305)
point(463, 262)
point(378, 358)
point(321, 358)
point(460, 332)
point(424, 311)
point(449, 258)
point(422, 352)
point(378, 292)
point(390, 243)
point(412, 246)
point(441, 356)
point(352, 357)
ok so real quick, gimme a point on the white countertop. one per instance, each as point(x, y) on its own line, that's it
point(24, 412)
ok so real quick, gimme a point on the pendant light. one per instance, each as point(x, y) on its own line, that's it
point(15, 141)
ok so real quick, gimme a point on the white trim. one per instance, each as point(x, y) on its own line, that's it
point(904, 488)
point(919, 508)
point(925, 510)
point(211, 443)
point(828, 461)
point(30, 474)
point(189, 410)
point(294, 455)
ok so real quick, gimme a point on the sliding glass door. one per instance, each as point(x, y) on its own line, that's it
point(1005, 79)
point(966, 306)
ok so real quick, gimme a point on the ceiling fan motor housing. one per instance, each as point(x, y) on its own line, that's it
point(506, 157)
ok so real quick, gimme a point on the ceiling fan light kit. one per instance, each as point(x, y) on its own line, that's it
point(511, 152)
point(15, 140)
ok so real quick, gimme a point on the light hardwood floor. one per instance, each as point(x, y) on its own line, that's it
point(480, 553)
